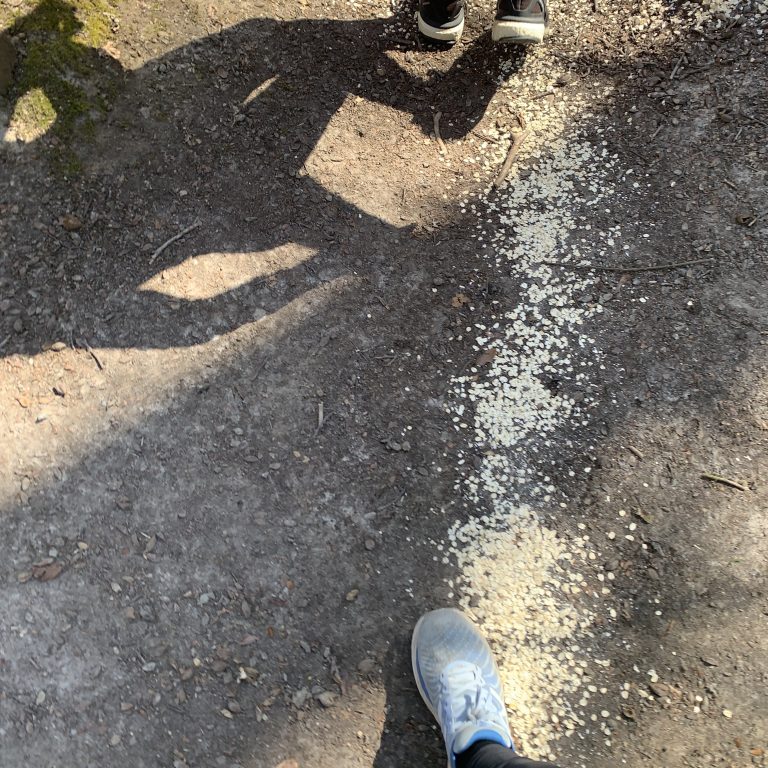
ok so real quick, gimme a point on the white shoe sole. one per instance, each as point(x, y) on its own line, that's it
point(416, 676)
point(435, 33)
point(519, 32)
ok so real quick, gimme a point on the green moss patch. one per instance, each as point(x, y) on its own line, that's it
point(61, 82)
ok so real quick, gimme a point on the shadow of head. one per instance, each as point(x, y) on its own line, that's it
point(54, 71)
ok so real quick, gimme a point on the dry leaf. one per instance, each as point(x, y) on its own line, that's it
point(486, 357)
point(644, 516)
point(459, 300)
point(47, 572)
point(70, 222)
point(249, 639)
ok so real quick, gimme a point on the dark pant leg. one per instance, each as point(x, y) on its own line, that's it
point(488, 754)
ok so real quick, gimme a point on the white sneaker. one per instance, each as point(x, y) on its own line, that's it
point(458, 679)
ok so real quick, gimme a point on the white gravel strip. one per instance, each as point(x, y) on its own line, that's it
point(535, 593)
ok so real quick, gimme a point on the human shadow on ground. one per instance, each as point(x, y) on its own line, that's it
point(219, 131)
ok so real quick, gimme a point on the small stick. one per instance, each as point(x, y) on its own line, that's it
point(725, 481)
point(485, 138)
point(173, 239)
point(511, 155)
point(635, 452)
point(677, 66)
point(595, 6)
point(321, 418)
point(90, 351)
point(654, 268)
point(440, 142)
point(658, 129)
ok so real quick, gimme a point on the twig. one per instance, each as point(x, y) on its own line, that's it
point(440, 142)
point(595, 6)
point(635, 452)
point(724, 480)
point(511, 155)
point(677, 66)
point(173, 239)
point(90, 351)
point(654, 268)
point(326, 417)
point(484, 138)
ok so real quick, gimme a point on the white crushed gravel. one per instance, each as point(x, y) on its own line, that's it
point(535, 593)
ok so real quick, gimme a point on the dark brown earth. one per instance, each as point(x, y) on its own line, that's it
point(222, 479)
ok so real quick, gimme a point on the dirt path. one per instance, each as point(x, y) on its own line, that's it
point(237, 468)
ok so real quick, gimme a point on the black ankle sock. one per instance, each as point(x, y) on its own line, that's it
point(489, 754)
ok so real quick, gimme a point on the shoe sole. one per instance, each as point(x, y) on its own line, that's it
point(450, 35)
point(416, 673)
point(518, 32)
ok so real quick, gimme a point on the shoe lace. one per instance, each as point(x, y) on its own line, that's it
point(483, 707)
point(470, 699)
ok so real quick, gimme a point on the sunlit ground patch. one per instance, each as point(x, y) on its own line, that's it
point(213, 274)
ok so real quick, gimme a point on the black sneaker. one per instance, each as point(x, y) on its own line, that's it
point(441, 19)
point(520, 21)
